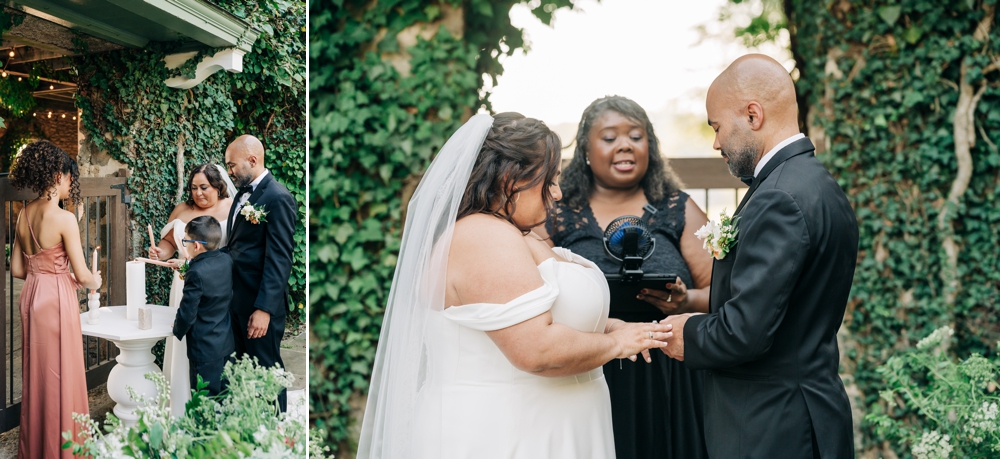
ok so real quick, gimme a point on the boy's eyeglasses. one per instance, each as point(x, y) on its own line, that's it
point(185, 241)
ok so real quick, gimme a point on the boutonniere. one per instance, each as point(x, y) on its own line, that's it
point(182, 269)
point(719, 238)
point(253, 214)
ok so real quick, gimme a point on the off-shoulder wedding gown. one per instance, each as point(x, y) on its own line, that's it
point(475, 403)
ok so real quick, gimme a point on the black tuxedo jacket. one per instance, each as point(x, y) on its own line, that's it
point(203, 315)
point(777, 301)
point(262, 252)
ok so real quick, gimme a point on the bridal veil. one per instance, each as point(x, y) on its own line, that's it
point(418, 288)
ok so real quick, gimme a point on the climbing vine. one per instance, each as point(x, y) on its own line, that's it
point(902, 100)
point(130, 113)
point(390, 80)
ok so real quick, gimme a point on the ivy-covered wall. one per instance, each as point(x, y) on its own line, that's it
point(903, 100)
point(131, 114)
point(390, 80)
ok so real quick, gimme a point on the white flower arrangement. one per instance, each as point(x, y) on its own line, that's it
point(243, 421)
point(253, 214)
point(719, 238)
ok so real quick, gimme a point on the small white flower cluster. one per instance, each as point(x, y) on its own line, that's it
point(938, 338)
point(983, 422)
point(253, 214)
point(245, 418)
point(718, 238)
point(933, 445)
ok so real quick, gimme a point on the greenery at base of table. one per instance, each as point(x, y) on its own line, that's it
point(242, 422)
point(952, 406)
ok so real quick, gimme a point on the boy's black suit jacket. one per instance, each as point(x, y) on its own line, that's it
point(203, 315)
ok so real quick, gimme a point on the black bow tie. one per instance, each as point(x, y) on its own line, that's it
point(747, 179)
point(245, 189)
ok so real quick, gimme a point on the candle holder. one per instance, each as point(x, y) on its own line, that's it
point(94, 305)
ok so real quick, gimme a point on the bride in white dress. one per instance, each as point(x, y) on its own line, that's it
point(211, 193)
point(492, 342)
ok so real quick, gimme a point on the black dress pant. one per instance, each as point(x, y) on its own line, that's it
point(210, 372)
point(266, 349)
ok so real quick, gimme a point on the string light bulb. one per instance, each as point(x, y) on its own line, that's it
point(18, 78)
point(4, 74)
point(50, 114)
point(63, 115)
point(51, 87)
point(74, 118)
point(11, 54)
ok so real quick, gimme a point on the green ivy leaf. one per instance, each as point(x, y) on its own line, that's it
point(890, 14)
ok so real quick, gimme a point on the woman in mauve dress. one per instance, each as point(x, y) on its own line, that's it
point(48, 241)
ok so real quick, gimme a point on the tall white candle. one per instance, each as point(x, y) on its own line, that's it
point(135, 288)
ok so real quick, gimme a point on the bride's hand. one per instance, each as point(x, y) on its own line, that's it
point(155, 253)
point(636, 338)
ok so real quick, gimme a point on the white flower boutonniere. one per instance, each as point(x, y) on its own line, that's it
point(253, 214)
point(719, 238)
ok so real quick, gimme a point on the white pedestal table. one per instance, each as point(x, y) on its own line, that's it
point(135, 358)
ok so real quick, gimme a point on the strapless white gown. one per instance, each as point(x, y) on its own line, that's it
point(175, 360)
point(474, 403)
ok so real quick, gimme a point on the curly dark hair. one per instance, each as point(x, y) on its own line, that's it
point(517, 149)
point(577, 181)
point(37, 166)
point(214, 178)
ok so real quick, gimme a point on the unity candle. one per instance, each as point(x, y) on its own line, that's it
point(93, 266)
point(135, 288)
point(152, 240)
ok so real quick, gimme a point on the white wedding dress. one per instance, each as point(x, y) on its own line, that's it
point(475, 403)
point(175, 360)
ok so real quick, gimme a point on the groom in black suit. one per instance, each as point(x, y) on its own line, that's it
point(261, 249)
point(777, 299)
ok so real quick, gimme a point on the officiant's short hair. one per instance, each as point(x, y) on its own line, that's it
point(205, 228)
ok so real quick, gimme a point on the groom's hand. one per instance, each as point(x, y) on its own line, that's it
point(257, 327)
point(675, 345)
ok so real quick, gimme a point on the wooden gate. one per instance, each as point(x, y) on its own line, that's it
point(103, 218)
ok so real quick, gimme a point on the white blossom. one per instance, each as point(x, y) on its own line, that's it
point(933, 445)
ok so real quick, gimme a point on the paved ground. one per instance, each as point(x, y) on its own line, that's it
point(293, 352)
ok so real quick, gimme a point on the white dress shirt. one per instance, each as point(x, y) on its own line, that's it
point(246, 196)
point(774, 151)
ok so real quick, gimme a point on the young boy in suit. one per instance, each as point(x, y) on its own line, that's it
point(203, 315)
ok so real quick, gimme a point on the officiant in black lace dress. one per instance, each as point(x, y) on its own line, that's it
point(617, 170)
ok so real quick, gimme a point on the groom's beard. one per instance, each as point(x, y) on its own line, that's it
point(242, 180)
point(742, 154)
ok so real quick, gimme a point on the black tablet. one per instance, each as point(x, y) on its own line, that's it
point(623, 300)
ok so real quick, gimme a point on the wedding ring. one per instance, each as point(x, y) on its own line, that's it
point(670, 297)
point(650, 335)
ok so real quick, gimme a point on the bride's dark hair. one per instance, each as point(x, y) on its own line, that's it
point(37, 165)
point(214, 178)
point(517, 149)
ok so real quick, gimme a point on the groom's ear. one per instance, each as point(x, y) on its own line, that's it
point(755, 115)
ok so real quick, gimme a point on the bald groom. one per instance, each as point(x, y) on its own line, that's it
point(262, 255)
point(777, 298)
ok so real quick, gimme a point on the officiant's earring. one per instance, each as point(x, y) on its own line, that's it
point(588, 161)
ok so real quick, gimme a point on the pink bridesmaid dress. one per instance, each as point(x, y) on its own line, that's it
point(55, 383)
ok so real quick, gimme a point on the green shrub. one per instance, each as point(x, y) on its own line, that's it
point(937, 406)
point(242, 422)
